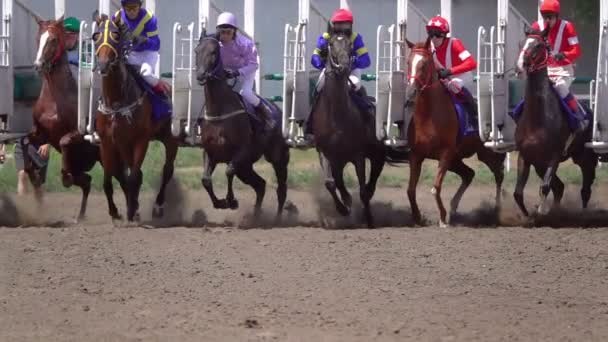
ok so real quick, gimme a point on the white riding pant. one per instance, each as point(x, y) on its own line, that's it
point(244, 86)
point(355, 78)
point(562, 77)
point(146, 61)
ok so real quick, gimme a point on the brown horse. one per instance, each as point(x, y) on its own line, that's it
point(344, 133)
point(55, 113)
point(434, 134)
point(228, 135)
point(124, 122)
point(542, 131)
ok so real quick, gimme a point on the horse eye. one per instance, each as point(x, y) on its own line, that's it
point(96, 36)
point(115, 36)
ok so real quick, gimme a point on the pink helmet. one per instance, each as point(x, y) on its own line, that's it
point(227, 18)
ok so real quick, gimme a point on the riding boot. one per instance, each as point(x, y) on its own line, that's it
point(471, 107)
point(578, 113)
point(266, 115)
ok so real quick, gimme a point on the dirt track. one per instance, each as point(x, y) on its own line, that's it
point(92, 281)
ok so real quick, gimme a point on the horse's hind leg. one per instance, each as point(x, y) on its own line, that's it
point(279, 158)
point(466, 175)
point(171, 146)
point(364, 191)
point(587, 162)
point(84, 182)
point(523, 172)
point(495, 161)
point(247, 175)
point(331, 183)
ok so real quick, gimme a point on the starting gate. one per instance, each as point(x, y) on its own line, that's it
point(599, 102)
point(391, 68)
point(188, 96)
point(8, 123)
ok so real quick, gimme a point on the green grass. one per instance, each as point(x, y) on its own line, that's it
point(303, 172)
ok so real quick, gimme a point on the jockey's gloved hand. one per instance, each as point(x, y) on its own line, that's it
point(559, 56)
point(232, 73)
point(444, 73)
point(140, 40)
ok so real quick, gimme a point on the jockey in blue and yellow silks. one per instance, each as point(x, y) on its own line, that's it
point(143, 24)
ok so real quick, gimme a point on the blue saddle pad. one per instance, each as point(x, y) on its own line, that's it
point(276, 115)
point(161, 106)
point(570, 116)
point(463, 125)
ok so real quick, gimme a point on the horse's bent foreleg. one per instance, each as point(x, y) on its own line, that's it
point(64, 143)
point(364, 194)
point(330, 183)
point(248, 176)
point(466, 175)
point(171, 146)
point(207, 181)
point(523, 172)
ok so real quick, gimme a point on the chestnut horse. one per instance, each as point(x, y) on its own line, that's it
point(434, 134)
point(124, 122)
point(542, 131)
point(55, 113)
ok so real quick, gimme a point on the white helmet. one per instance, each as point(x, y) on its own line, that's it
point(227, 18)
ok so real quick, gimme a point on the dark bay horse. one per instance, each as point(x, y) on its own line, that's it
point(542, 131)
point(228, 136)
point(434, 134)
point(343, 133)
point(55, 113)
point(125, 123)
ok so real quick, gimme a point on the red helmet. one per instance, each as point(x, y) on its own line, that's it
point(550, 6)
point(438, 23)
point(342, 15)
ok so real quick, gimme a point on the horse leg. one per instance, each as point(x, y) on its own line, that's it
point(523, 172)
point(444, 163)
point(64, 144)
point(587, 162)
point(248, 176)
point(496, 163)
point(170, 153)
point(207, 181)
point(363, 191)
point(231, 201)
point(109, 161)
point(134, 181)
point(377, 160)
point(550, 182)
point(331, 184)
point(415, 169)
point(84, 182)
point(466, 176)
point(279, 158)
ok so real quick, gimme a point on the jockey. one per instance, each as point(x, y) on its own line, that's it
point(565, 50)
point(342, 21)
point(456, 65)
point(240, 58)
point(72, 29)
point(146, 44)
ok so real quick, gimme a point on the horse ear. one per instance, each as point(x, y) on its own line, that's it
point(409, 44)
point(203, 33)
point(545, 32)
point(427, 44)
point(330, 27)
point(527, 29)
point(39, 20)
point(60, 20)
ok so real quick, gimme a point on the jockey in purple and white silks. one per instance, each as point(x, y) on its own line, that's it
point(240, 60)
point(143, 24)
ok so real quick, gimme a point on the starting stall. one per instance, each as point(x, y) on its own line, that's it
point(10, 125)
point(599, 102)
point(188, 97)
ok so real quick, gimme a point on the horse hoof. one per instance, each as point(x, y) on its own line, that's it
point(290, 208)
point(342, 210)
point(158, 211)
point(233, 204)
point(443, 224)
point(543, 208)
point(221, 204)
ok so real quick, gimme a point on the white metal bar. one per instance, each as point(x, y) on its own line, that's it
point(446, 12)
point(104, 7)
point(151, 5)
point(59, 8)
point(204, 12)
point(344, 4)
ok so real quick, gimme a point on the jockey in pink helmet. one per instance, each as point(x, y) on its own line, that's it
point(240, 58)
point(565, 50)
point(143, 24)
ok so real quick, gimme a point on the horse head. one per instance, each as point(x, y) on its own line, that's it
point(111, 39)
point(535, 53)
point(51, 44)
point(421, 67)
point(339, 57)
point(208, 60)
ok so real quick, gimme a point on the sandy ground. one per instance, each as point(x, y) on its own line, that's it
point(200, 276)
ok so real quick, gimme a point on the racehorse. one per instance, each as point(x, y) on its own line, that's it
point(228, 135)
point(55, 113)
point(125, 122)
point(345, 133)
point(542, 130)
point(434, 133)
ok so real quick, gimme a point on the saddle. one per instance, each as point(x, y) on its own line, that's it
point(162, 107)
